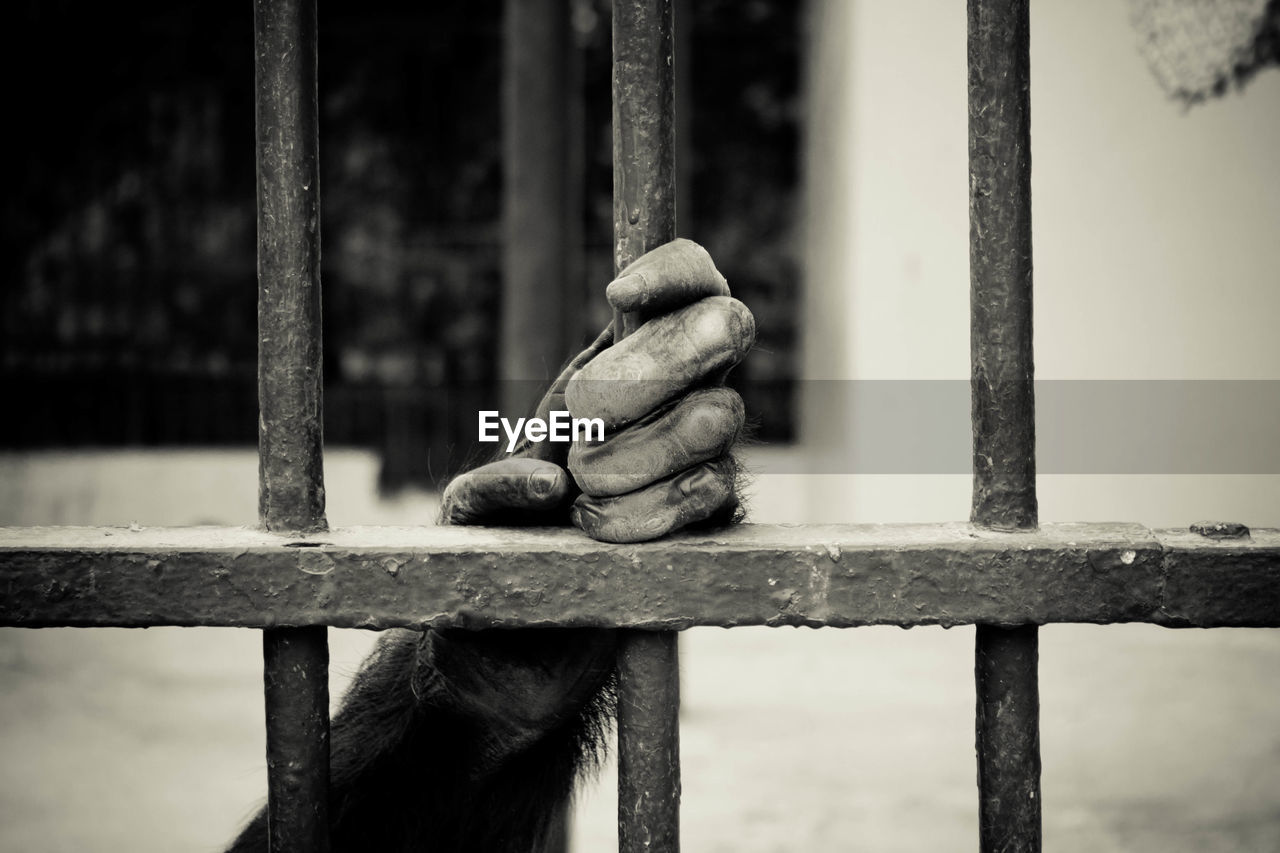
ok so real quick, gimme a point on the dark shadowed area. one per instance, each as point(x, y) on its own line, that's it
point(129, 232)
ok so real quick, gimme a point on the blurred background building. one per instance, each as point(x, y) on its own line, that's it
point(129, 239)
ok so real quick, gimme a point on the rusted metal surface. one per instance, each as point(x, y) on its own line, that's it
point(290, 435)
point(295, 673)
point(297, 738)
point(1220, 529)
point(1217, 581)
point(1008, 739)
point(644, 172)
point(290, 417)
point(1003, 405)
point(648, 743)
point(644, 217)
point(817, 575)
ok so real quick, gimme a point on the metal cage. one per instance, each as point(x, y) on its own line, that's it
point(293, 577)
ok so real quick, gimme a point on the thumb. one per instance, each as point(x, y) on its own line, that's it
point(504, 490)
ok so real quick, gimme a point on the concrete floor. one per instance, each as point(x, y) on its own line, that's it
point(792, 739)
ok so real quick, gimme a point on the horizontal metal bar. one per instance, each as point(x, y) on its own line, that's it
point(817, 575)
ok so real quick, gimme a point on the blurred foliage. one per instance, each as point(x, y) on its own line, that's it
point(129, 228)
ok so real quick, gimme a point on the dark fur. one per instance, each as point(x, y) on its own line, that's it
point(402, 768)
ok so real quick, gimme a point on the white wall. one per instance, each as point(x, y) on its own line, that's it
point(1155, 245)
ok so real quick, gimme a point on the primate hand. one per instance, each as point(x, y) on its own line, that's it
point(665, 462)
point(470, 740)
point(663, 465)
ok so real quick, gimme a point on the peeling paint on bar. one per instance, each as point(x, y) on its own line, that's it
point(815, 575)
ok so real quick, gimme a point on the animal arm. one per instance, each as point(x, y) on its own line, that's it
point(416, 766)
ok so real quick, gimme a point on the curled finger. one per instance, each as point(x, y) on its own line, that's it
point(697, 494)
point(701, 426)
point(663, 359)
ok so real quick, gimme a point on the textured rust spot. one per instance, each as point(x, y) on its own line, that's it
point(315, 562)
point(1221, 529)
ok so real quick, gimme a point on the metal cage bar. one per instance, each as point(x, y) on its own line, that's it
point(290, 433)
point(1003, 407)
point(644, 216)
point(296, 691)
point(834, 576)
point(648, 742)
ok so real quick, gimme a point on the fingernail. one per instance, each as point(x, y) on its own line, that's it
point(542, 483)
point(690, 481)
point(581, 519)
point(626, 293)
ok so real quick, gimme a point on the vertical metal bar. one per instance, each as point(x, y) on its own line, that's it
point(296, 687)
point(538, 324)
point(644, 216)
point(1003, 406)
point(1008, 724)
point(683, 108)
point(648, 743)
point(1004, 437)
point(290, 435)
point(644, 173)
